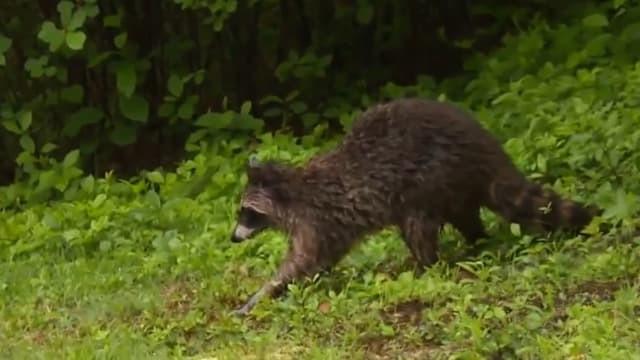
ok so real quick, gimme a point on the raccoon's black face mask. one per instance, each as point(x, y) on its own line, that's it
point(250, 223)
point(261, 200)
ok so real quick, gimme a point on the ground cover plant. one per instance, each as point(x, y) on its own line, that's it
point(143, 267)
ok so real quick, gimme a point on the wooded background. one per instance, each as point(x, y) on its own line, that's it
point(129, 83)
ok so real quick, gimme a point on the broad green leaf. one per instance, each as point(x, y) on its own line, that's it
point(99, 200)
point(623, 207)
point(46, 180)
point(199, 77)
point(123, 134)
point(24, 119)
point(218, 23)
point(11, 125)
point(298, 107)
point(532, 321)
point(246, 108)
point(50, 34)
point(76, 39)
point(77, 20)
point(5, 44)
point(71, 158)
point(156, 177)
point(25, 159)
point(196, 136)
point(292, 95)
point(175, 85)
point(105, 245)
point(135, 108)
point(112, 21)
point(152, 198)
point(595, 20)
point(62, 184)
point(186, 110)
point(88, 146)
point(166, 109)
point(73, 94)
point(271, 98)
point(631, 32)
point(48, 147)
point(80, 119)
point(310, 120)
point(515, 229)
point(120, 40)
point(215, 120)
point(51, 221)
point(126, 78)
point(88, 184)
point(273, 112)
point(174, 243)
point(92, 10)
point(35, 67)
point(597, 45)
point(364, 12)
point(27, 143)
point(65, 8)
point(246, 122)
point(618, 3)
point(3, 60)
point(50, 71)
point(99, 58)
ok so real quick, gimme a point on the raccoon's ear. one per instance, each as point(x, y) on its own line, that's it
point(272, 178)
point(254, 174)
point(254, 170)
point(253, 161)
point(264, 174)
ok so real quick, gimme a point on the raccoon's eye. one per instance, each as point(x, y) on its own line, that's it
point(250, 214)
point(253, 219)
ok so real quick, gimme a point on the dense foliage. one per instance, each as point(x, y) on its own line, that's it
point(142, 267)
point(121, 85)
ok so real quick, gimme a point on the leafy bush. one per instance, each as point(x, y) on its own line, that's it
point(118, 79)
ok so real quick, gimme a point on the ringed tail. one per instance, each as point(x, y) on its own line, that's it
point(530, 205)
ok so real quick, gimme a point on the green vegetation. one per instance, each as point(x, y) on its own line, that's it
point(99, 266)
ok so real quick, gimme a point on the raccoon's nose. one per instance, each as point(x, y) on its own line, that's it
point(241, 233)
point(235, 238)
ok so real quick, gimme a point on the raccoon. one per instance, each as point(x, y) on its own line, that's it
point(413, 164)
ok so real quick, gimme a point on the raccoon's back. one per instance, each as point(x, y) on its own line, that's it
point(413, 125)
point(423, 145)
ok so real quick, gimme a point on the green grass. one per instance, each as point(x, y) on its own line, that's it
point(135, 269)
point(547, 299)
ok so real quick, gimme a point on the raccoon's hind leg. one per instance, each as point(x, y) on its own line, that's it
point(469, 224)
point(420, 234)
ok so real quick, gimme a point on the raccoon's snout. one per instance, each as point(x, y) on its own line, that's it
point(249, 223)
point(241, 233)
point(235, 239)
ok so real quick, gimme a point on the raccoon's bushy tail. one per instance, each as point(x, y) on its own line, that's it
point(530, 205)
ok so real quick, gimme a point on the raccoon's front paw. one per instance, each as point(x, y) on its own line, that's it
point(241, 311)
point(245, 309)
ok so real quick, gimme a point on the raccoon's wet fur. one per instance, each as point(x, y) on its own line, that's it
point(411, 163)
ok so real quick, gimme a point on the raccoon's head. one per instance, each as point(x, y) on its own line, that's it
point(263, 200)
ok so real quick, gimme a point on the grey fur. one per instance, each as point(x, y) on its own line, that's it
point(414, 164)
